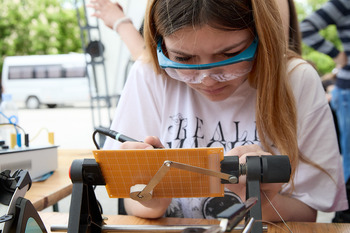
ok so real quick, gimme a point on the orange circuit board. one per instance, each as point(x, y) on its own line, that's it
point(123, 169)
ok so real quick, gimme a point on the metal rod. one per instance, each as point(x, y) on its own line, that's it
point(248, 227)
point(200, 170)
point(141, 228)
point(155, 180)
point(145, 193)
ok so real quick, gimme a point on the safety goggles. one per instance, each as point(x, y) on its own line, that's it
point(221, 71)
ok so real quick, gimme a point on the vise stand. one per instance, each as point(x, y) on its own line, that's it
point(85, 215)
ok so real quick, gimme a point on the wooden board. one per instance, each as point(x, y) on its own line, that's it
point(123, 169)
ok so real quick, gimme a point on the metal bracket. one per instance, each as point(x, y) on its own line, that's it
point(144, 192)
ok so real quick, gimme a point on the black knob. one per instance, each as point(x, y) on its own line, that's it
point(275, 169)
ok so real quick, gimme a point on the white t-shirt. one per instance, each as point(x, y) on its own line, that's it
point(151, 105)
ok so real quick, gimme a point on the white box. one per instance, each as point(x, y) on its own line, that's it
point(37, 160)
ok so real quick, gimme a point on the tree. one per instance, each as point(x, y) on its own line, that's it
point(30, 27)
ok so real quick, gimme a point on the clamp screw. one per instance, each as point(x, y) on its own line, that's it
point(233, 180)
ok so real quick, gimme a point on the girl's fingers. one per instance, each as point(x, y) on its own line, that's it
point(135, 145)
point(248, 150)
point(154, 141)
point(241, 150)
point(150, 142)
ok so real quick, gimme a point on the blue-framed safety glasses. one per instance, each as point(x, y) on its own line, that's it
point(247, 55)
point(222, 71)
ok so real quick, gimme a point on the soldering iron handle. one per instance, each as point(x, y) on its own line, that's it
point(106, 131)
point(115, 135)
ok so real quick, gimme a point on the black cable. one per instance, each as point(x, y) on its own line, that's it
point(94, 139)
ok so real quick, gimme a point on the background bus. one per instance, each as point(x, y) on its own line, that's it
point(50, 80)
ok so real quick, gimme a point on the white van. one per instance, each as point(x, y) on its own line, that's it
point(46, 79)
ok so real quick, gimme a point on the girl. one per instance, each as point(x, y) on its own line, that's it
point(217, 73)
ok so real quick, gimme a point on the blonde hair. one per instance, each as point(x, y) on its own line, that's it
point(276, 115)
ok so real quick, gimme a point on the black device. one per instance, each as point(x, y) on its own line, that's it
point(85, 216)
point(20, 216)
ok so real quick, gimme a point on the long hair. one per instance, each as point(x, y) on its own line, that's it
point(276, 116)
point(294, 39)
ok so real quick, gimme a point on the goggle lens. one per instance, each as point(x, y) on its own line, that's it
point(224, 74)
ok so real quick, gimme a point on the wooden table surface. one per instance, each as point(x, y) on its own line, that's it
point(55, 219)
point(58, 186)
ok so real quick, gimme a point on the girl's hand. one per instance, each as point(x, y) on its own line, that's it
point(150, 142)
point(156, 207)
point(107, 11)
point(340, 60)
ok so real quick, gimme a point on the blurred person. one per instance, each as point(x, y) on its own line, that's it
point(335, 12)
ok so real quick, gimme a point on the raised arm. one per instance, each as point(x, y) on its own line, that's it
point(113, 17)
